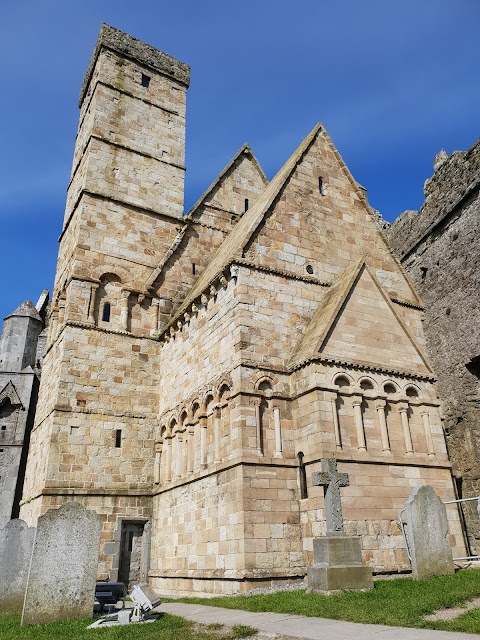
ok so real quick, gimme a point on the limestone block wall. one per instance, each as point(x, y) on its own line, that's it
point(114, 110)
point(275, 310)
point(371, 506)
point(207, 345)
point(328, 228)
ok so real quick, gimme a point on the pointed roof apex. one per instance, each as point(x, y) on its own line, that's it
point(233, 244)
point(245, 149)
point(10, 392)
point(26, 310)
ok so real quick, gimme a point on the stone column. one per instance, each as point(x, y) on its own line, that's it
point(403, 411)
point(168, 459)
point(178, 454)
point(155, 315)
point(190, 449)
point(336, 423)
point(258, 424)
point(278, 433)
point(91, 307)
point(60, 317)
point(380, 407)
point(203, 441)
point(357, 412)
point(158, 462)
point(217, 433)
point(424, 412)
point(124, 311)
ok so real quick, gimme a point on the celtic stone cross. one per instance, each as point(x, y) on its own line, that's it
point(331, 481)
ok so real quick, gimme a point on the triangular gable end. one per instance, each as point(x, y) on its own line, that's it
point(357, 322)
point(10, 392)
point(208, 197)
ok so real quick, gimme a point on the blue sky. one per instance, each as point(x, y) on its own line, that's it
point(393, 82)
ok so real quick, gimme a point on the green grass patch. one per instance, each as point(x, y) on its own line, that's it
point(403, 602)
point(166, 628)
point(242, 631)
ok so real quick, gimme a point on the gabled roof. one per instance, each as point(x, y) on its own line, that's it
point(10, 392)
point(245, 149)
point(319, 332)
point(325, 315)
point(233, 244)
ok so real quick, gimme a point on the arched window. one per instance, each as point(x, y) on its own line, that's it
point(411, 392)
point(366, 385)
point(342, 381)
point(389, 388)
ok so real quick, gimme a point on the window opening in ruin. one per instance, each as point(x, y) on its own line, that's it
point(474, 366)
point(194, 268)
point(321, 186)
point(118, 438)
point(412, 392)
point(4, 427)
point(145, 81)
point(309, 269)
point(389, 388)
point(106, 312)
point(246, 204)
point(302, 474)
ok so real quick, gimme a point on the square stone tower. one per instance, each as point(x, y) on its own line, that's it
point(93, 435)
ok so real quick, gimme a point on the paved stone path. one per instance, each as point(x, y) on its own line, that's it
point(303, 627)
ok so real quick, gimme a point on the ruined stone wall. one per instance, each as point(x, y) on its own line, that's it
point(440, 248)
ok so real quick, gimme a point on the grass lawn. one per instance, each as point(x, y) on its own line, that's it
point(402, 602)
point(167, 628)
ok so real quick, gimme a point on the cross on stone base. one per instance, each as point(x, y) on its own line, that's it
point(331, 480)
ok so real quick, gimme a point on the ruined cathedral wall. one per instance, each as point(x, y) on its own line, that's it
point(439, 247)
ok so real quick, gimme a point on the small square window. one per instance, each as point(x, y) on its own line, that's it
point(145, 81)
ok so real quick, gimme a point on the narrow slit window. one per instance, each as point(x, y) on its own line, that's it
point(145, 81)
point(246, 204)
point(321, 186)
point(302, 476)
point(194, 268)
point(118, 438)
point(106, 312)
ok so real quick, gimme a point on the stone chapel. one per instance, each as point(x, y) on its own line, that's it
point(200, 366)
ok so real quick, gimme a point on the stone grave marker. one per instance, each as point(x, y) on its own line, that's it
point(428, 535)
point(337, 558)
point(16, 544)
point(61, 580)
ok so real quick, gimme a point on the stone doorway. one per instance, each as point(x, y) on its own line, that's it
point(131, 547)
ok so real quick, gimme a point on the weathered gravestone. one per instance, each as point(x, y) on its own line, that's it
point(428, 537)
point(16, 544)
point(61, 580)
point(337, 558)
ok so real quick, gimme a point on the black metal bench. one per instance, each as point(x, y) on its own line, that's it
point(109, 593)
